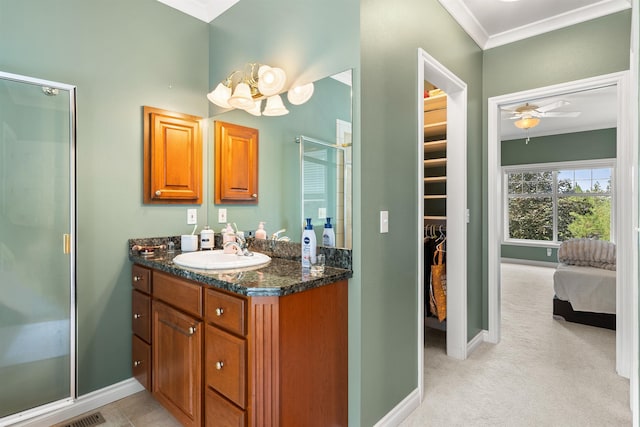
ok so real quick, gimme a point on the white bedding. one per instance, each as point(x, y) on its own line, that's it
point(587, 288)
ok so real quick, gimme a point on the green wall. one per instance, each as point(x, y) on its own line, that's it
point(595, 144)
point(589, 49)
point(390, 38)
point(589, 145)
point(121, 57)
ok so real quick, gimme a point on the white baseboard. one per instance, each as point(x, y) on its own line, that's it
point(401, 410)
point(550, 264)
point(476, 341)
point(82, 404)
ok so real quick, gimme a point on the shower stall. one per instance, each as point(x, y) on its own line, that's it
point(37, 247)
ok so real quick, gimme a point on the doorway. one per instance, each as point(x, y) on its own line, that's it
point(625, 209)
point(456, 207)
point(37, 247)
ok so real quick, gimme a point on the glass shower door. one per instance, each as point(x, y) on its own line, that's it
point(37, 308)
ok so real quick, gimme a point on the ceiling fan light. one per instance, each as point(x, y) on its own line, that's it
point(300, 94)
point(527, 122)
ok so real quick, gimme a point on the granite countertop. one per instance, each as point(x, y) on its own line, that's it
point(281, 277)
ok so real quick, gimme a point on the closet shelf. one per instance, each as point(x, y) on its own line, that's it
point(435, 179)
point(431, 146)
point(433, 129)
point(437, 102)
point(435, 196)
point(435, 162)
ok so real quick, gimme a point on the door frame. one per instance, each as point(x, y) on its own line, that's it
point(456, 89)
point(626, 211)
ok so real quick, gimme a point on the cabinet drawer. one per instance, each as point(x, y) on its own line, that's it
point(226, 311)
point(141, 315)
point(178, 292)
point(141, 362)
point(219, 412)
point(226, 364)
point(141, 278)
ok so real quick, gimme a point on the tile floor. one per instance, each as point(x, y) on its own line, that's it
point(137, 410)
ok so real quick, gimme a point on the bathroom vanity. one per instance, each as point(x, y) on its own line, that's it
point(265, 347)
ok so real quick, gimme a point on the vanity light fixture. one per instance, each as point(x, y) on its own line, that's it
point(300, 94)
point(246, 89)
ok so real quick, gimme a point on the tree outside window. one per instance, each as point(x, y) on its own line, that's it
point(553, 205)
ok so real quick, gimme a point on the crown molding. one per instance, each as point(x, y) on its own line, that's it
point(476, 31)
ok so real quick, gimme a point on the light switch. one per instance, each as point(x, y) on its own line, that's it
point(322, 213)
point(192, 216)
point(222, 216)
point(384, 221)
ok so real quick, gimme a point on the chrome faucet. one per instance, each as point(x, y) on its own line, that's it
point(240, 244)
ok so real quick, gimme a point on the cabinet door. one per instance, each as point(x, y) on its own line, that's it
point(177, 363)
point(172, 157)
point(236, 160)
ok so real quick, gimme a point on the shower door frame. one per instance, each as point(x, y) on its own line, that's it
point(73, 387)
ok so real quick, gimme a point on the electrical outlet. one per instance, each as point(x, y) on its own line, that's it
point(322, 213)
point(548, 251)
point(222, 216)
point(192, 216)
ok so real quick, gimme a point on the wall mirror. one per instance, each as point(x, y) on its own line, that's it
point(283, 200)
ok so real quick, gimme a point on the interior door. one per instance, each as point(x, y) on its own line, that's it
point(36, 245)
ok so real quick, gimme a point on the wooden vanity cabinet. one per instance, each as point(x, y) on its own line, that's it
point(177, 346)
point(141, 325)
point(227, 360)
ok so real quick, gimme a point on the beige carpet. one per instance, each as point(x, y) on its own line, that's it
point(544, 372)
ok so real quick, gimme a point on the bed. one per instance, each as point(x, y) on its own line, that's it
point(585, 283)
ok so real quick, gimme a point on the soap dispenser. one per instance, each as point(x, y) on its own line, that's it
point(328, 235)
point(261, 233)
point(206, 239)
point(308, 245)
point(228, 235)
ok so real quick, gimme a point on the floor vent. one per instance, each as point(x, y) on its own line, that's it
point(88, 421)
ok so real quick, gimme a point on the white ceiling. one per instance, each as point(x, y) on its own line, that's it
point(597, 107)
point(204, 10)
point(492, 23)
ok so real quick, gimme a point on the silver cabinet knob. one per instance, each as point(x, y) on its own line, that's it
point(137, 316)
point(192, 330)
point(254, 195)
point(158, 193)
point(219, 365)
point(137, 278)
point(137, 363)
point(219, 311)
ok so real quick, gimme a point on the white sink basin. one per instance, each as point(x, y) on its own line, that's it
point(219, 261)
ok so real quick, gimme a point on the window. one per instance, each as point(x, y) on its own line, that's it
point(549, 203)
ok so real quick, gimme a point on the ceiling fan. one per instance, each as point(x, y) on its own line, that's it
point(528, 115)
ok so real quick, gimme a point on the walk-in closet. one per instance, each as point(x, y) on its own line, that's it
point(435, 207)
